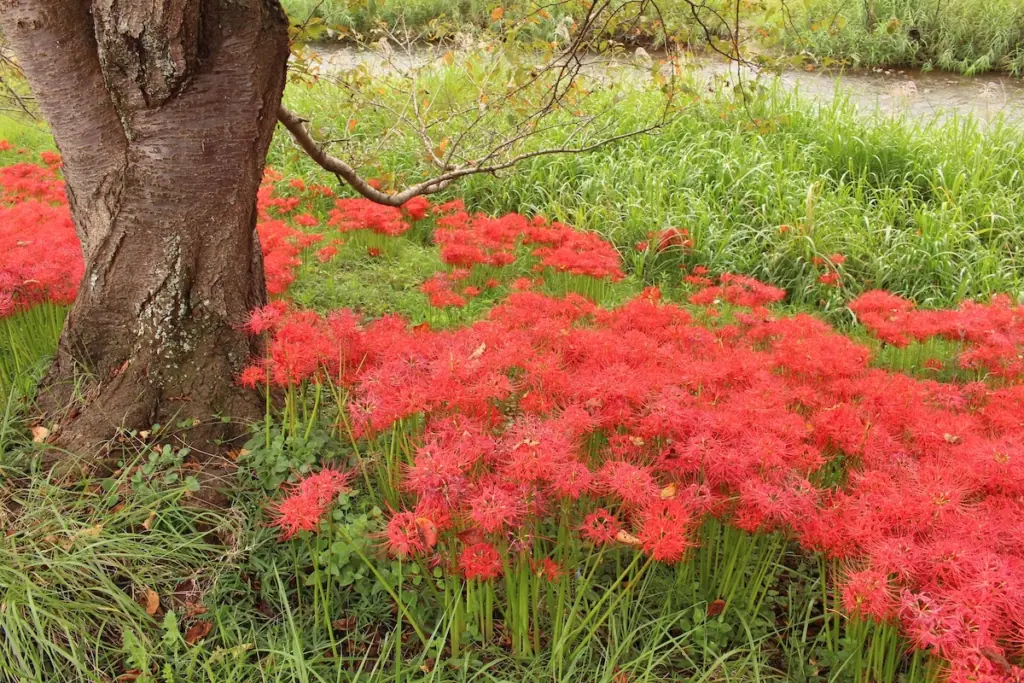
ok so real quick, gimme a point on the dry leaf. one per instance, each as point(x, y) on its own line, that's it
point(152, 602)
point(197, 632)
point(428, 530)
point(352, 124)
point(716, 607)
point(91, 532)
point(669, 492)
point(344, 624)
point(39, 434)
point(479, 351)
point(194, 609)
point(148, 524)
point(497, 13)
point(627, 538)
point(128, 676)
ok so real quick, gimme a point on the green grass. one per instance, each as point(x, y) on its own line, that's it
point(929, 210)
point(967, 36)
point(443, 19)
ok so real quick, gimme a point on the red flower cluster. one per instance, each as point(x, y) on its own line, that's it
point(467, 241)
point(362, 214)
point(440, 289)
point(738, 290)
point(307, 502)
point(991, 335)
point(641, 423)
point(40, 256)
point(282, 244)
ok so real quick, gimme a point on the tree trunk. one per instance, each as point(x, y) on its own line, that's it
point(163, 111)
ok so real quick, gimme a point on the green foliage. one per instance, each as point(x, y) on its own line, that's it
point(77, 563)
point(925, 209)
point(955, 35)
point(966, 36)
point(526, 20)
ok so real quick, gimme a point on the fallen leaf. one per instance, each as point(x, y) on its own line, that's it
point(497, 13)
point(148, 524)
point(194, 609)
point(352, 124)
point(627, 538)
point(152, 602)
point(91, 532)
point(428, 530)
point(344, 624)
point(669, 492)
point(479, 351)
point(128, 676)
point(197, 632)
point(39, 434)
point(716, 607)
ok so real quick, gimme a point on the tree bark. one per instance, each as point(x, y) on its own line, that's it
point(163, 111)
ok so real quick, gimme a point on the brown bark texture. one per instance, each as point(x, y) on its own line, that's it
point(163, 111)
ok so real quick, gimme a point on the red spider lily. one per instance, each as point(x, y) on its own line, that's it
point(493, 508)
point(631, 484)
point(555, 406)
point(305, 220)
point(327, 253)
point(739, 290)
point(467, 241)
point(480, 561)
point(831, 279)
point(362, 214)
point(408, 535)
point(416, 208)
point(252, 377)
point(868, 593)
point(300, 511)
point(600, 527)
point(674, 238)
point(326, 484)
point(664, 530)
point(40, 257)
point(547, 569)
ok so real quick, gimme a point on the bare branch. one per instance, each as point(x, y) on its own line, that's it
point(490, 132)
point(296, 126)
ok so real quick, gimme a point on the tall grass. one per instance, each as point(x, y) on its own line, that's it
point(437, 19)
point(955, 35)
point(927, 209)
point(967, 36)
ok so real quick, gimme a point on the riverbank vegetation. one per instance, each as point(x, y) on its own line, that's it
point(965, 36)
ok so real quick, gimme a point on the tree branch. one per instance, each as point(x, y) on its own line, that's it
point(296, 126)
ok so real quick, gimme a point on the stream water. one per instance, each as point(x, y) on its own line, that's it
point(916, 94)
